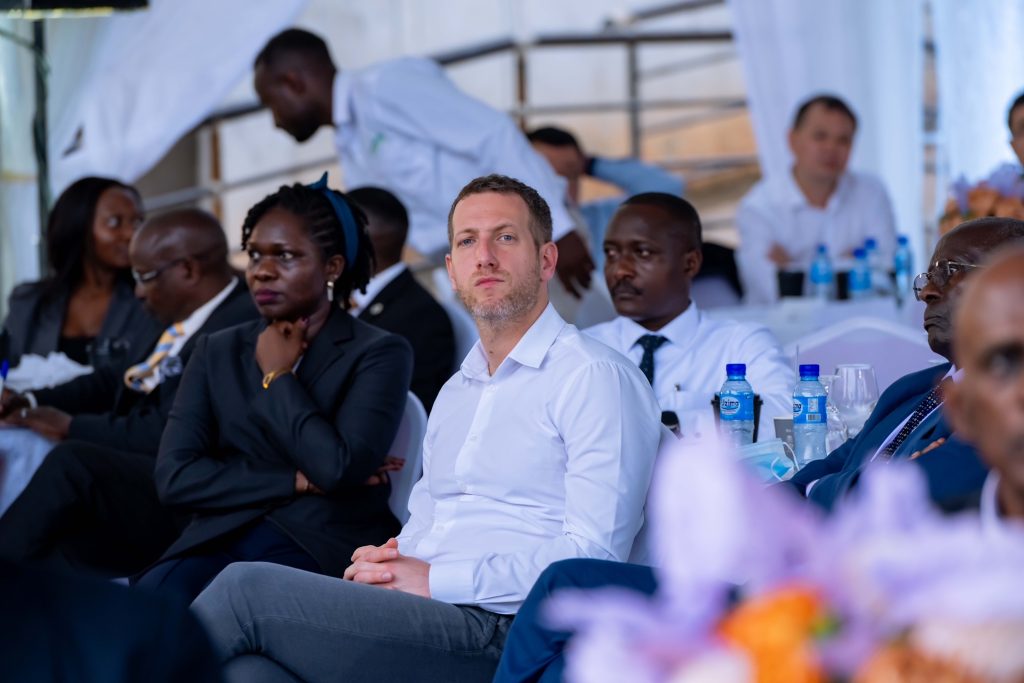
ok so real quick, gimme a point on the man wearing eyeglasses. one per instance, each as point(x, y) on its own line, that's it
point(908, 421)
point(84, 507)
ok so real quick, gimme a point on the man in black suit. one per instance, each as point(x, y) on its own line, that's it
point(394, 301)
point(92, 503)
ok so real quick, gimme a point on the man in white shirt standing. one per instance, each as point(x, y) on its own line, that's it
point(404, 126)
point(652, 253)
point(986, 406)
point(540, 448)
point(787, 214)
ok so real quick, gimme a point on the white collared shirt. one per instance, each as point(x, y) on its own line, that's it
point(775, 211)
point(404, 126)
point(993, 522)
point(191, 325)
point(374, 287)
point(690, 368)
point(988, 507)
point(548, 459)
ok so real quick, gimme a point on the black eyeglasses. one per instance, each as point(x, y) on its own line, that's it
point(147, 277)
point(940, 275)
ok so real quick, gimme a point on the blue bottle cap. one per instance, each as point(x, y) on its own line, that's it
point(871, 243)
point(822, 249)
point(732, 369)
point(809, 370)
point(903, 240)
point(860, 253)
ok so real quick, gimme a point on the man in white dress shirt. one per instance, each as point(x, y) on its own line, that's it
point(986, 406)
point(539, 449)
point(404, 126)
point(652, 253)
point(787, 214)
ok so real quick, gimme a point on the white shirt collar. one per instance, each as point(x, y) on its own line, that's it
point(989, 506)
point(375, 286)
point(199, 316)
point(341, 94)
point(190, 326)
point(681, 331)
point(529, 350)
point(795, 197)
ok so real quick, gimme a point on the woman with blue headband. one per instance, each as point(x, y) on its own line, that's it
point(279, 425)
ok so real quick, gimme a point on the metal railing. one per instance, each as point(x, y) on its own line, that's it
point(617, 33)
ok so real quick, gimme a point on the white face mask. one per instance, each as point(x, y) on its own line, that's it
point(770, 460)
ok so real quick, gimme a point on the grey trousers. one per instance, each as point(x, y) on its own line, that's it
point(274, 623)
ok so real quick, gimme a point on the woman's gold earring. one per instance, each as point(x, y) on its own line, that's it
point(330, 291)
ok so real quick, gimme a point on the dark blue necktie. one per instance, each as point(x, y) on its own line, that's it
point(649, 343)
point(929, 403)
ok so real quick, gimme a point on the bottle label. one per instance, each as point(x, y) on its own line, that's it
point(736, 407)
point(809, 410)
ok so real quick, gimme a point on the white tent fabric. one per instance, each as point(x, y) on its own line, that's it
point(870, 53)
point(979, 64)
point(19, 207)
point(149, 77)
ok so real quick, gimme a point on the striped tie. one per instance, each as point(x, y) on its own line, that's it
point(929, 403)
point(136, 375)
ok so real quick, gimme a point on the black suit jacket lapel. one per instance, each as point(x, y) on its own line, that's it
point(391, 293)
point(326, 348)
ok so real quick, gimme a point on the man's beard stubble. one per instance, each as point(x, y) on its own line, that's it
point(522, 298)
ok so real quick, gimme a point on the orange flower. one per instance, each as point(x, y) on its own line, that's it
point(981, 199)
point(1008, 207)
point(776, 632)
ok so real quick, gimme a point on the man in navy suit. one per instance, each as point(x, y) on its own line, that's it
point(907, 422)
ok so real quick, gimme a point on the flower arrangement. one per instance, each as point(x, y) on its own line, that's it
point(756, 586)
point(1002, 194)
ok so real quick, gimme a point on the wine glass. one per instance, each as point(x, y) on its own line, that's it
point(854, 393)
point(837, 431)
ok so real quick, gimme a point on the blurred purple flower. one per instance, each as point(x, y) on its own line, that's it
point(1006, 180)
point(883, 562)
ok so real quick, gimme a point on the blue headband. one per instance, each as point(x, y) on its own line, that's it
point(349, 227)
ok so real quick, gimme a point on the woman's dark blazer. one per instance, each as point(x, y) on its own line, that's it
point(33, 325)
point(230, 450)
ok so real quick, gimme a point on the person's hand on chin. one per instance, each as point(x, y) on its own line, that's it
point(280, 346)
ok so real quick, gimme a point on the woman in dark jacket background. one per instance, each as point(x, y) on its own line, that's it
point(86, 306)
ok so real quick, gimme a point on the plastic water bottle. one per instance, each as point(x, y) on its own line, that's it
point(810, 417)
point(860, 275)
point(879, 272)
point(736, 405)
point(903, 264)
point(821, 275)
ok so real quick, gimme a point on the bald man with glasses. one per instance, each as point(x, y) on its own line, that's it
point(907, 422)
point(91, 504)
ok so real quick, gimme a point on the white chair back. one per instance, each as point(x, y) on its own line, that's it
point(891, 348)
point(407, 446)
point(642, 551)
